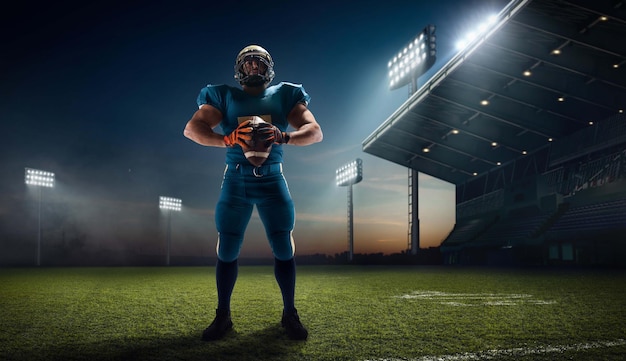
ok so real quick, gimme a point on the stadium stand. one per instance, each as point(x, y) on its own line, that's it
point(595, 217)
point(528, 123)
point(519, 225)
point(469, 229)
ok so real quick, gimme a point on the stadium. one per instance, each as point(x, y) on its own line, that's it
point(527, 121)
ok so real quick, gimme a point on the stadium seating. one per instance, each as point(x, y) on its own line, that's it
point(516, 226)
point(468, 229)
point(589, 218)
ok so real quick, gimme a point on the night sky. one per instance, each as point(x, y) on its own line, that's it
point(99, 93)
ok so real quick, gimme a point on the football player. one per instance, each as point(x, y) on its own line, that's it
point(245, 185)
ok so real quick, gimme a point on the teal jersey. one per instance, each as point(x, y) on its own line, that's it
point(273, 106)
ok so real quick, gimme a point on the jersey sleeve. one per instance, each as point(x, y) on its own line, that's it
point(212, 95)
point(302, 96)
point(297, 94)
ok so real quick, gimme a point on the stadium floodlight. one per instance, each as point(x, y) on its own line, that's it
point(480, 30)
point(170, 205)
point(348, 175)
point(40, 179)
point(415, 58)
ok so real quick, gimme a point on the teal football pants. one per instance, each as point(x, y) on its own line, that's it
point(243, 187)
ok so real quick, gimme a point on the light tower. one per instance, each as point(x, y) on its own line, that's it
point(413, 60)
point(348, 175)
point(169, 204)
point(40, 179)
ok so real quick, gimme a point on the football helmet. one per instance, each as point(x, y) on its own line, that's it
point(262, 56)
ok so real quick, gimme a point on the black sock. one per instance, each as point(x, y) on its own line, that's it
point(225, 276)
point(285, 272)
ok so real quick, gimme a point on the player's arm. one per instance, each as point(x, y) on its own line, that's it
point(307, 130)
point(200, 127)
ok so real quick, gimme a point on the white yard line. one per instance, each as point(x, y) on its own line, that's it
point(475, 299)
point(512, 352)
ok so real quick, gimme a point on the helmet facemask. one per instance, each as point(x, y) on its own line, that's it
point(244, 65)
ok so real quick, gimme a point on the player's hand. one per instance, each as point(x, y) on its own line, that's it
point(240, 135)
point(271, 134)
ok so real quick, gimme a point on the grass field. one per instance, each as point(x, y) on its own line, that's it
point(352, 313)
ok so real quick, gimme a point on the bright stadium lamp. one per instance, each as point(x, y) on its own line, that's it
point(348, 175)
point(480, 30)
point(40, 179)
point(413, 60)
point(169, 205)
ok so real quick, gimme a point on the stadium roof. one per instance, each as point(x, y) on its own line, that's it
point(544, 70)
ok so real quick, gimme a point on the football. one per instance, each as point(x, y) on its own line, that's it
point(257, 149)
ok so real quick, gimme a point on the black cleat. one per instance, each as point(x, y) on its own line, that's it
point(293, 326)
point(219, 327)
